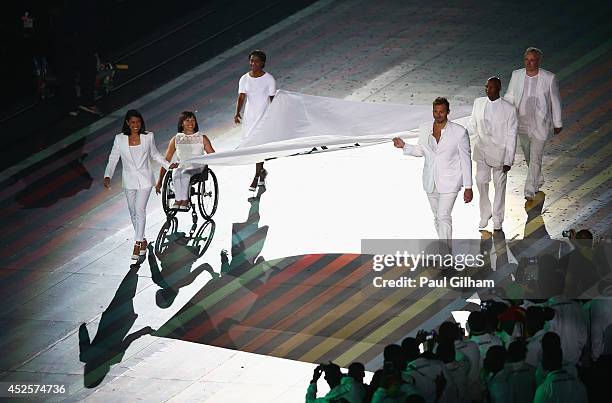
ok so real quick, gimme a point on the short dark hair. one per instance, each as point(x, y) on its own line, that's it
point(186, 115)
point(476, 322)
point(259, 54)
point(517, 351)
point(448, 331)
point(584, 234)
point(356, 370)
point(496, 79)
point(133, 113)
point(442, 101)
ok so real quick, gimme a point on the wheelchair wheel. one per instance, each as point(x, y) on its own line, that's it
point(208, 194)
point(204, 236)
point(168, 195)
point(169, 227)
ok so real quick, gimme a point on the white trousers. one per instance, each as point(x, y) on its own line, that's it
point(180, 179)
point(441, 207)
point(534, 150)
point(483, 177)
point(137, 204)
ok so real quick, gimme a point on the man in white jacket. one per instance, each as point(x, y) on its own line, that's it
point(448, 165)
point(534, 92)
point(493, 123)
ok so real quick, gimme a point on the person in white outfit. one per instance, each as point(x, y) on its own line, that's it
point(465, 350)
point(599, 312)
point(257, 89)
point(341, 387)
point(559, 385)
point(448, 166)
point(519, 375)
point(187, 143)
point(135, 147)
point(494, 124)
point(534, 92)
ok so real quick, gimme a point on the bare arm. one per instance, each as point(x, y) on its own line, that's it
point(207, 145)
point(162, 171)
point(239, 105)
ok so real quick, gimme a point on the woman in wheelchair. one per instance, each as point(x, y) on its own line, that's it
point(187, 143)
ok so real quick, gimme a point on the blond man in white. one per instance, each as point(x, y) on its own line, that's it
point(445, 146)
point(534, 92)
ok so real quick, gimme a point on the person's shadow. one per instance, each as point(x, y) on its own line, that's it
point(203, 319)
point(247, 241)
point(535, 227)
point(112, 339)
point(177, 252)
point(65, 182)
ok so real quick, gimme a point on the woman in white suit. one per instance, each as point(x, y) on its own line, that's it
point(135, 147)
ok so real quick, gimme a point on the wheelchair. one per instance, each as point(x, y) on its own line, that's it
point(203, 185)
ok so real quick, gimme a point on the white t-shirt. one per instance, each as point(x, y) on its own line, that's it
point(527, 107)
point(561, 387)
point(258, 91)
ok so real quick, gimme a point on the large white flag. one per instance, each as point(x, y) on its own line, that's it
point(294, 123)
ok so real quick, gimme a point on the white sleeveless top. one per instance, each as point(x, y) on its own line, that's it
point(189, 146)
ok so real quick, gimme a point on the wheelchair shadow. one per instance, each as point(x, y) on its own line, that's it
point(202, 318)
point(112, 340)
point(177, 251)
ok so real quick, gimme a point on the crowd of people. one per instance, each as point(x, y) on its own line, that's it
point(556, 350)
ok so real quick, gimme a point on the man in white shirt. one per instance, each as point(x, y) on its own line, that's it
point(559, 386)
point(534, 92)
point(448, 165)
point(599, 312)
point(494, 124)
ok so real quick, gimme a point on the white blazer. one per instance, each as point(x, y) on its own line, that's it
point(548, 106)
point(495, 149)
point(135, 174)
point(448, 166)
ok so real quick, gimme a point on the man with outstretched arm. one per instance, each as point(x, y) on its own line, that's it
point(448, 166)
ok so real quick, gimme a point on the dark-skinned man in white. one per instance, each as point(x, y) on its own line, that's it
point(448, 165)
point(493, 124)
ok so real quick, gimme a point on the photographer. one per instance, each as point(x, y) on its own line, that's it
point(578, 266)
point(341, 387)
point(428, 374)
point(465, 351)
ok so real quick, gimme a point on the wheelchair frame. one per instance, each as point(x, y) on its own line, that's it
point(203, 185)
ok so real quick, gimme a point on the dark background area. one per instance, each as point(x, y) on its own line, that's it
point(157, 40)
